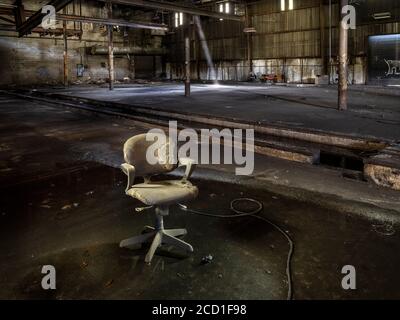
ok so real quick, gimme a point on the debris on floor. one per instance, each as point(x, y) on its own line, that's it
point(109, 283)
point(207, 259)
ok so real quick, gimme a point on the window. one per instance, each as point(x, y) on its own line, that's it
point(224, 7)
point(178, 19)
point(227, 7)
point(289, 3)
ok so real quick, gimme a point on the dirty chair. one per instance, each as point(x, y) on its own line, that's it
point(158, 194)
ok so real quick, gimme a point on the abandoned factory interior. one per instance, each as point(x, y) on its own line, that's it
point(199, 150)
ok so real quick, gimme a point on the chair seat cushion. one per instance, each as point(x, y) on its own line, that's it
point(163, 192)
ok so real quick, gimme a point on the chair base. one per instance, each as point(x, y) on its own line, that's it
point(158, 236)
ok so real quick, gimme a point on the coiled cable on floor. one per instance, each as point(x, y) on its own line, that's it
point(253, 214)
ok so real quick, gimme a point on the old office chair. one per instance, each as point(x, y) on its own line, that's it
point(160, 194)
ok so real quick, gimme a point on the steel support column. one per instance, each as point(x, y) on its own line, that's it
point(65, 54)
point(322, 36)
point(343, 57)
point(187, 61)
point(249, 42)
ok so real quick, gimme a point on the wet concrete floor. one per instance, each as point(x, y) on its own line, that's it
point(75, 222)
point(61, 204)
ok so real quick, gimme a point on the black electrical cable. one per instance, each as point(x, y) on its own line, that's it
point(253, 213)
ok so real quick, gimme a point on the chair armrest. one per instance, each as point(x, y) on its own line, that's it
point(129, 170)
point(190, 166)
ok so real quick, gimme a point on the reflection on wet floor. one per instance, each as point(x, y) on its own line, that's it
point(75, 222)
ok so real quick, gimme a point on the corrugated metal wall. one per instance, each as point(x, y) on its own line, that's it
point(285, 42)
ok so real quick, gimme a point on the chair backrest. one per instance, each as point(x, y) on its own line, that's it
point(135, 150)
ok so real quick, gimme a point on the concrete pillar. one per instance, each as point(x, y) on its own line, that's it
point(343, 57)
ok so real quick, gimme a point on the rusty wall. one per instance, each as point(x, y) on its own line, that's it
point(40, 61)
point(285, 43)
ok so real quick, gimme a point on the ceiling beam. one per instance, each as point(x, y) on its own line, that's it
point(103, 21)
point(168, 6)
point(112, 22)
point(56, 32)
point(36, 19)
point(7, 20)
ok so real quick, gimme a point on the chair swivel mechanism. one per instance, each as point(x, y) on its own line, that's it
point(158, 194)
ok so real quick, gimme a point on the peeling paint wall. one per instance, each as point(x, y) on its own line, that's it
point(40, 61)
point(36, 59)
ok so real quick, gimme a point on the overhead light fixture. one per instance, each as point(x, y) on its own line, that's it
point(249, 30)
point(382, 15)
point(227, 7)
point(178, 19)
